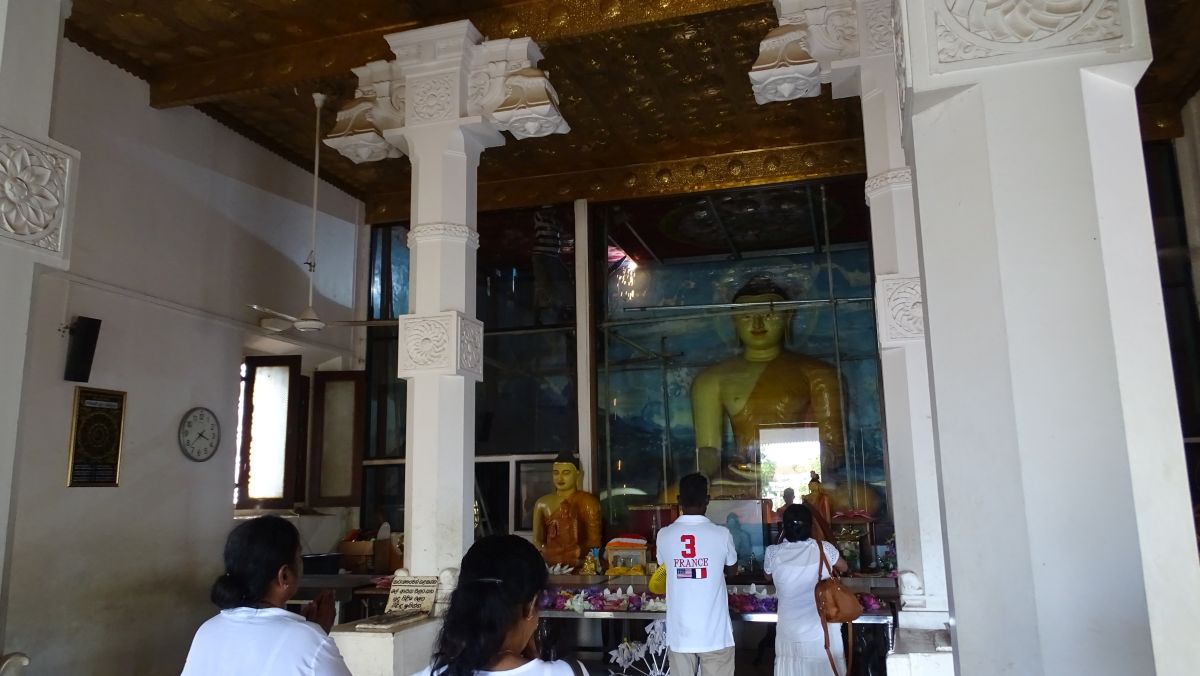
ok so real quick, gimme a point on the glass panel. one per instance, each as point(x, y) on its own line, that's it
point(491, 497)
point(758, 393)
point(526, 300)
point(526, 402)
point(387, 396)
point(388, 295)
point(533, 481)
point(383, 497)
point(337, 441)
point(268, 432)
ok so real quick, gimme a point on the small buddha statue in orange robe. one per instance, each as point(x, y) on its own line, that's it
point(566, 523)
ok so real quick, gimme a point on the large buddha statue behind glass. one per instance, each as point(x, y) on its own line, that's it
point(767, 386)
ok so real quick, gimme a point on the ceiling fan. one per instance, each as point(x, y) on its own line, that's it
point(308, 320)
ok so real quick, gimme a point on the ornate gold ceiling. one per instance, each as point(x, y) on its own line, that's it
point(656, 91)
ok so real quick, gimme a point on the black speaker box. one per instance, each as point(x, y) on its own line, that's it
point(81, 347)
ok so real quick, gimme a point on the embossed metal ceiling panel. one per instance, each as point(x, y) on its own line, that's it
point(650, 91)
point(158, 33)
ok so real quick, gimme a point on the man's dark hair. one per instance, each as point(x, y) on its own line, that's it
point(693, 491)
point(760, 285)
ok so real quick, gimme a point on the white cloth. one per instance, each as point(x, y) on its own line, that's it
point(531, 668)
point(808, 658)
point(262, 642)
point(695, 552)
point(793, 566)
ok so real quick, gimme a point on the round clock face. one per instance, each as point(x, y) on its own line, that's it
point(199, 434)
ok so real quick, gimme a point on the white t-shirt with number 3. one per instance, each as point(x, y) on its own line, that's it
point(695, 552)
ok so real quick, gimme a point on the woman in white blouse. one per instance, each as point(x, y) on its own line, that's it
point(794, 566)
point(254, 634)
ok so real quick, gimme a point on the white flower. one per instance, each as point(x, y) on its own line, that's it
point(578, 603)
point(627, 653)
point(28, 205)
point(656, 637)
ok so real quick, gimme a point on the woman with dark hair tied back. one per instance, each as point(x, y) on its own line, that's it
point(254, 634)
point(493, 614)
point(794, 566)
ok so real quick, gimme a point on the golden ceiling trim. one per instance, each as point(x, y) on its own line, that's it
point(658, 179)
point(543, 20)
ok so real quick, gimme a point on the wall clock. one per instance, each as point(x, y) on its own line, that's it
point(199, 434)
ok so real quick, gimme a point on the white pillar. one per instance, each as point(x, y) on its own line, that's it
point(1064, 491)
point(852, 47)
point(29, 37)
point(441, 342)
point(443, 100)
point(903, 356)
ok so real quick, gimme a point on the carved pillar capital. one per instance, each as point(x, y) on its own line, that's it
point(795, 58)
point(445, 73)
point(440, 343)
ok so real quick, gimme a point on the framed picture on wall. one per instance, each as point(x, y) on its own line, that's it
point(534, 479)
point(97, 430)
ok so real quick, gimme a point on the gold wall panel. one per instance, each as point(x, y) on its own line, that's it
point(716, 172)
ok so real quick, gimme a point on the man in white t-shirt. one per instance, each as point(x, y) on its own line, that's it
point(697, 554)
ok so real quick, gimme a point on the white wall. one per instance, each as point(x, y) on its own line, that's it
point(180, 222)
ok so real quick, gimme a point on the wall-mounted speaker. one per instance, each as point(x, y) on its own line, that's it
point(81, 348)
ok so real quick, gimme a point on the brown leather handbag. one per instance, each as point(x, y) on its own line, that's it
point(835, 603)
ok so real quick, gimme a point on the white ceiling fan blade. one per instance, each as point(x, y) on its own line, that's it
point(267, 310)
point(275, 324)
point(364, 322)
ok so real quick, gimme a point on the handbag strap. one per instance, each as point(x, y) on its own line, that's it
point(825, 565)
point(833, 574)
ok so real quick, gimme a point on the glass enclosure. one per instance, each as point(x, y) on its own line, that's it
point(737, 337)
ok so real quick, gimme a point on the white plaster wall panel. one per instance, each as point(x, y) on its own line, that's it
point(114, 581)
point(172, 203)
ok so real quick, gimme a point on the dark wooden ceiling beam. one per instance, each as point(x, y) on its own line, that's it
point(544, 20)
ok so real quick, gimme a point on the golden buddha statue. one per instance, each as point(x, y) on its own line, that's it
point(566, 523)
point(767, 386)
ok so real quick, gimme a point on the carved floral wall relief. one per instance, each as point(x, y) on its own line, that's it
point(35, 180)
point(976, 29)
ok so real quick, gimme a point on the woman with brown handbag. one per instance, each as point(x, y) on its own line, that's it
point(795, 567)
